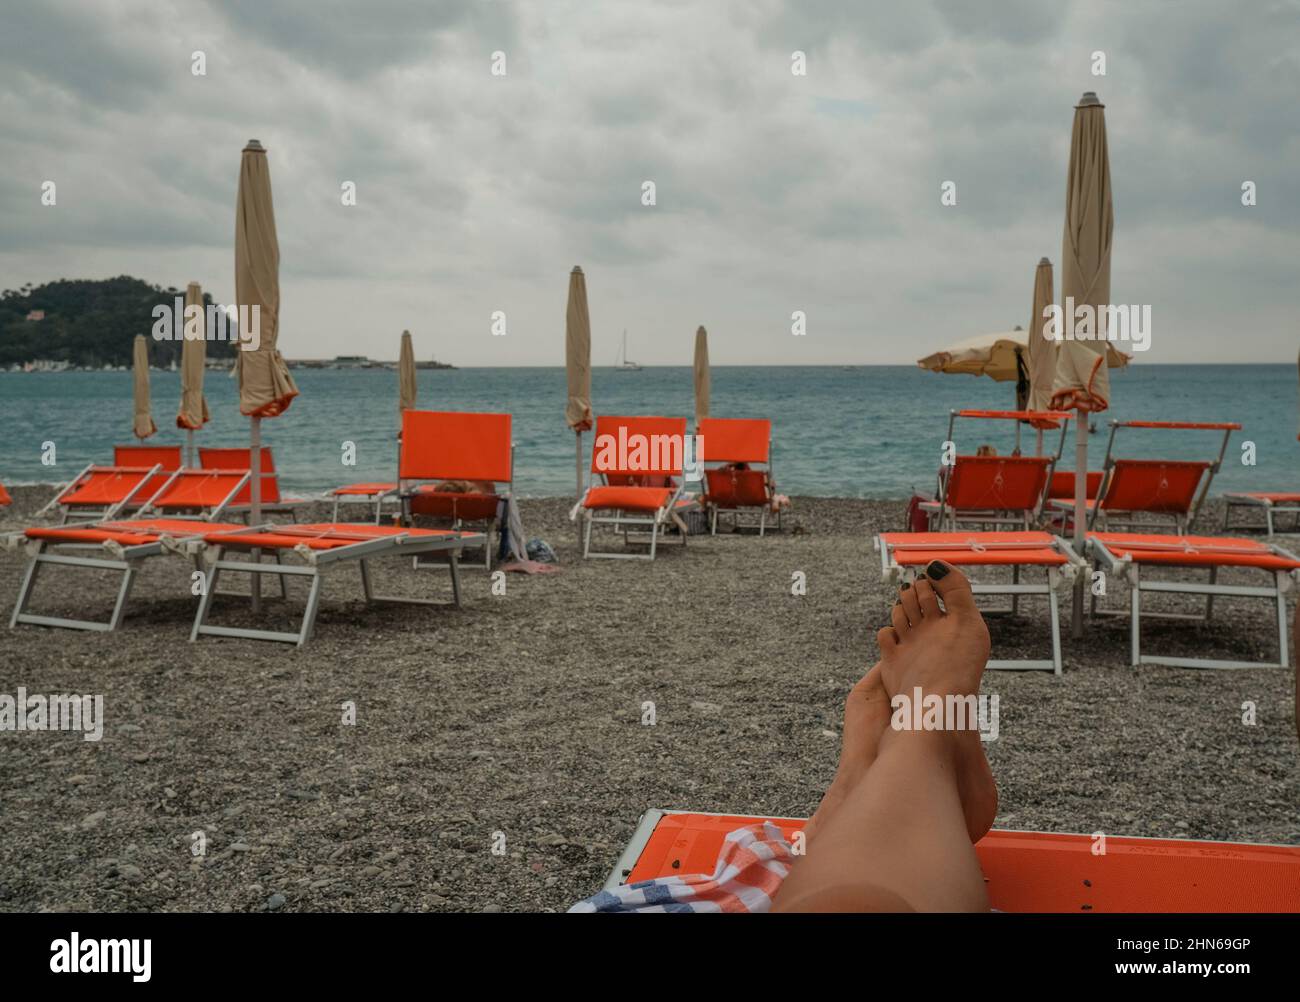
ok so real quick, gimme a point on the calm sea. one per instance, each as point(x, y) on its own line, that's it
point(860, 432)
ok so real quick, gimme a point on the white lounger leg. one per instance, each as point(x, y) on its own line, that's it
point(127, 568)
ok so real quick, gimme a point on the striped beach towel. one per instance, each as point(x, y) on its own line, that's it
point(752, 863)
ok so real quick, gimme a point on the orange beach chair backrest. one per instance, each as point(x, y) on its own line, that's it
point(455, 445)
point(1062, 486)
point(648, 446)
point(168, 457)
point(240, 459)
point(1009, 483)
point(1156, 485)
point(735, 440)
point(192, 489)
point(1041, 872)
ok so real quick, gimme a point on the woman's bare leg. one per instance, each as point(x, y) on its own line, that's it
point(899, 839)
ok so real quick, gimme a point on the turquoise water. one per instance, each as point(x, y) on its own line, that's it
point(861, 432)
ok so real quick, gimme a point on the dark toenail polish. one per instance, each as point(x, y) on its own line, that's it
point(906, 585)
point(936, 570)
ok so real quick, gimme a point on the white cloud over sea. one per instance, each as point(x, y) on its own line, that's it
point(775, 192)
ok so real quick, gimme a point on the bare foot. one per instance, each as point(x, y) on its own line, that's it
point(943, 651)
point(866, 717)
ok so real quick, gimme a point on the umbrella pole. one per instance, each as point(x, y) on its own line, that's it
point(578, 495)
point(255, 499)
point(1080, 514)
point(1040, 443)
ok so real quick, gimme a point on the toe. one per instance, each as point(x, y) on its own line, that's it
point(907, 599)
point(886, 640)
point(901, 624)
point(927, 599)
point(952, 586)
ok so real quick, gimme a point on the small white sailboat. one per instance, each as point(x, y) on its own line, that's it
point(624, 363)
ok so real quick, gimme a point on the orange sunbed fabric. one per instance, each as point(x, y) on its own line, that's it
point(735, 440)
point(4, 496)
point(129, 533)
point(166, 457)
point(628, 498)
point(1275, 497)
point(108, 485)
point(316, 536)
point(974, 548)
point(1005, 483)
point(1153, 485)
point(470, 506)
point(373, 488)
point(192, 489)
point(454, 445)
point(639, 445)
point(732, 488)
point(240, 459)
point(1041, 872)
point(1194, 551)
point(1062, 485)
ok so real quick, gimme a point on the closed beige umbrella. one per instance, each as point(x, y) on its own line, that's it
point(265, 387)
point(577, 361)
point(193, 413)
point(407, 390)
point(143, 425)
point(701, 376)
point(1082, 381)
point(1040, 352)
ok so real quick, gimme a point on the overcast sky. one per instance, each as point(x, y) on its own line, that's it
point(775, 192)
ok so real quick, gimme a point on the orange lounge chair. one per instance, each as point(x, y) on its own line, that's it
point(322, 546)
point(440, 449)
point(1029, 871)
point(124, 544)
point(5, 499)
point(102, 492)
point(903, 555)
point(374, 493)
point(637, 483)
point(990, 491)
point(1159, 488)
point(270, 502)
point(203, 494)
point(1271, 502)
point(1126, 554)
point(733, 487)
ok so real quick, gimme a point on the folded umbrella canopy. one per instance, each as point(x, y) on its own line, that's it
point(577, 361)
point(142, 426)
point(407, 389)
point(701, 376)
point(193, 412)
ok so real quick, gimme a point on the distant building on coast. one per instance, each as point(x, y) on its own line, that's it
point(35, 316)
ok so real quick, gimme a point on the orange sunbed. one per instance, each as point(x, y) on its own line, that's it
point(1125, 555)
point(1270, 502)
point(4, 496)
point(637, 482)
point(990, 491)
point(442, 454)
point(125, 543)
point(207, 493)
point(744, 480)
point(904, 554)
point(99, 492)
point(1029, 871)
point(1171, 489)
point(321, 546)
point(270, 501)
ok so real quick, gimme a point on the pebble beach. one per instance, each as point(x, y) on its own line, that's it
point(500, 756)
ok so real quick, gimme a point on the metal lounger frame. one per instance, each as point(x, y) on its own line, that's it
point(375, 498)
point(1130, 570)
point(891, 570)
point(317, 561)
point(1270, 509)
point(620, 521)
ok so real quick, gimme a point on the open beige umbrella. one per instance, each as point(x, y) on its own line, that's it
point(701, 376)
point(265, 387)
point(407, 390)
point(1082, 382)
point(577, 361)
point(193, 413)
point(142, 426)
point(1001, 356)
